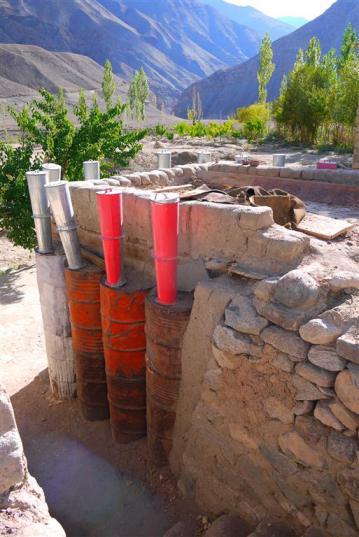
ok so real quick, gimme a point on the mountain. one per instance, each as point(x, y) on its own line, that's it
point(25, 68)
point(226, 90)
point(176, 41)
point(251, 17)
point(295, 22)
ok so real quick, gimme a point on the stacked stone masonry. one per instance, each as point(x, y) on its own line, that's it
point(273, 430)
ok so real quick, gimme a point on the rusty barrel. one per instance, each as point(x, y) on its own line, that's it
point(165, 328)
point(123, 325)
point(83, 291)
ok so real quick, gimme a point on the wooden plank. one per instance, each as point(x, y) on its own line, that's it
point(323, 227)
point(93, 258)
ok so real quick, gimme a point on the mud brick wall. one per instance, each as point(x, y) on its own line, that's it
point(268, 416)
point(239, 237)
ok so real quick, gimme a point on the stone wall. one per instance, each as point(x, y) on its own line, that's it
point(23, 509)
point(268, 416)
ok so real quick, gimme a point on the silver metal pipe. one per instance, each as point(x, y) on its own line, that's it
point(164, 159)
point(279, 161)
point(36, 182)
point(53, 171)
point(203, 157)
point(62, 209)
point(91, 170)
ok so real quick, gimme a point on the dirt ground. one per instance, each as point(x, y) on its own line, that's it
point(93, 487)
point(228, 149)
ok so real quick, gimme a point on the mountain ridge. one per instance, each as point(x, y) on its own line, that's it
point(227, 89)
point(178, 44)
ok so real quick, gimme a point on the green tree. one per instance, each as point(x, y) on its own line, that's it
point(15, 207)
point(108, 84)
point(266, 67)
point(138, 94)
point(48, 134)
point(195, 113)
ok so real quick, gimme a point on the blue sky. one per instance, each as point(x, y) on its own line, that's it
point(308, 9)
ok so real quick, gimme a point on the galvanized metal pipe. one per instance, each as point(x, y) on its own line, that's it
point(203, 157)
point(164, 159)
point(279, 161)
point(37, 181)
point(62, 209)
point(53, 171)
point(91, 170)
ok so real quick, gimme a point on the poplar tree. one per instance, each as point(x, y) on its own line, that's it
point(108, 84)
point(266, 67)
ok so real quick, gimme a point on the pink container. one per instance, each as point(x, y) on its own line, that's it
point(165, 227)
point(111, 223)
point(326, 166)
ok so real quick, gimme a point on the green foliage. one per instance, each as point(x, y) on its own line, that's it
point(15, 206)
point(45, 123)
point(254, 112)
point(98, 134)
point(318, 101)
point(160, 130)
point(138, 94)
point(209, 130)
point(254, 130)
point(108, 84)
point(266, 67)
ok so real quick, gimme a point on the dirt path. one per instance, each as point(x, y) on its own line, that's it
point(93, 487)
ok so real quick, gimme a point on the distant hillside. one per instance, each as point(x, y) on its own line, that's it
point(228, 89)
point(176, 41)
point(25, 68)
point(251, 17)
point(295, 22)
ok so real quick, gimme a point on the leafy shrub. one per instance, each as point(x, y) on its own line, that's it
point(15, 206)
point(170, 135)
point(160, 130)
point(99, 135)
point(254, 130)
point(254, 112)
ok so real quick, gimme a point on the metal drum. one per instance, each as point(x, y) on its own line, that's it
point(123, 325)
point(165, 328)
point(83, 291)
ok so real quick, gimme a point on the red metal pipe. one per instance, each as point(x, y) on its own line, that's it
point(111, 223)
point(165, 227)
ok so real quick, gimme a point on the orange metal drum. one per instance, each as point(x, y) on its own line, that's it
point(83, 291)
point(123, 325)
point(165, 328)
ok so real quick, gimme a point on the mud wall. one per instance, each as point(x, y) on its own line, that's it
point(243, 239)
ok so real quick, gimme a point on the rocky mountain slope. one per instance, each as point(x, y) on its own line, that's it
point(251, 17)
point(25, 68)
point(225, 90)
point(176, 41)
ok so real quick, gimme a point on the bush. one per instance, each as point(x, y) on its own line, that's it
point(99, 135)
point(160, 130)
point(170, 135)
point(45, 123)
point(15, 206)
point(210, 130)
point(254, 112)
point(254, 130)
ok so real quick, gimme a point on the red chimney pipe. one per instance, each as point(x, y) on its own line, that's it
point(111, 223)
point(165, 228)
